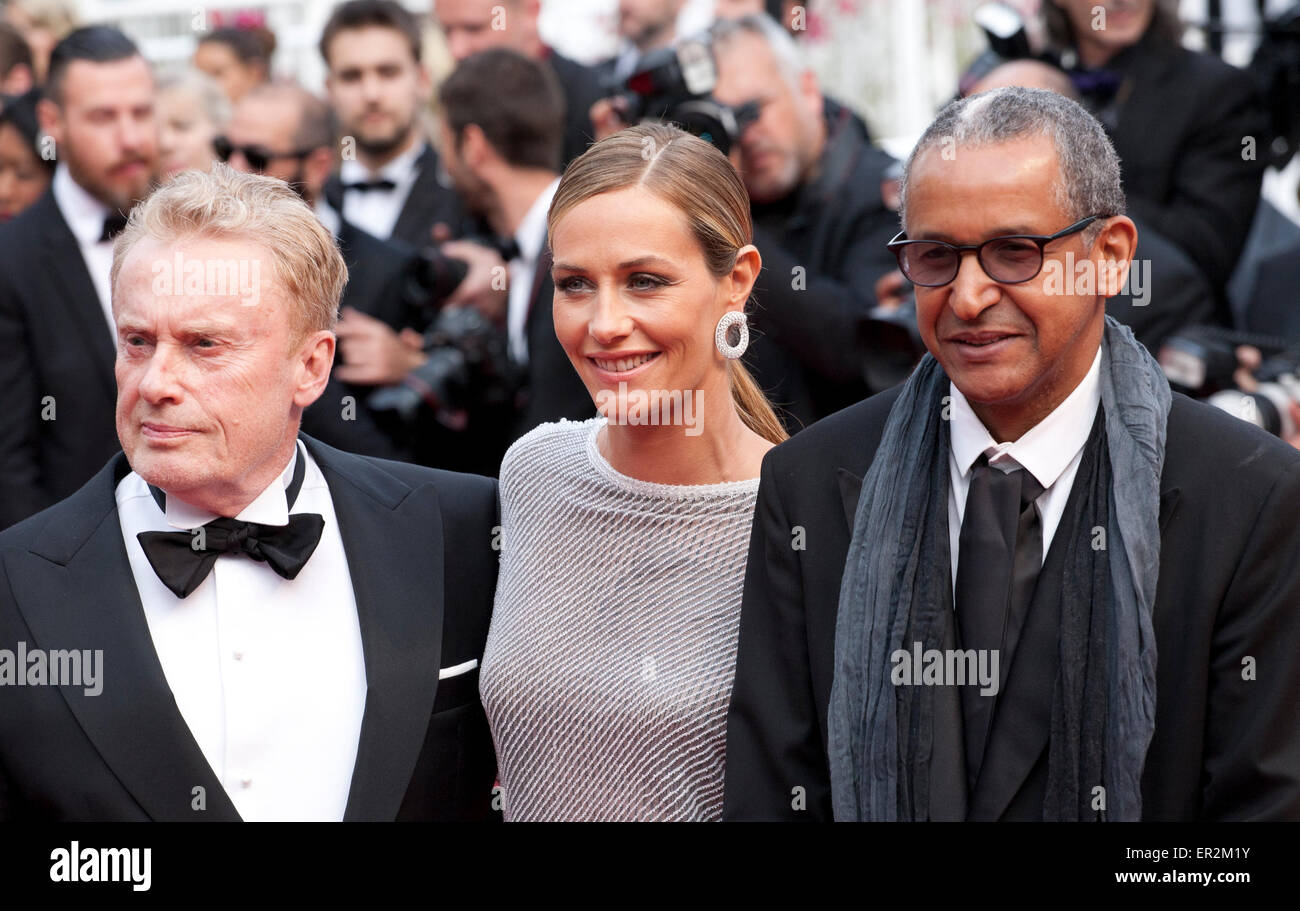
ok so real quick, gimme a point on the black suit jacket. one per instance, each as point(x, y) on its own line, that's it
point(57, 389)
point(1274, 307)
point(1229, 588)
point(419, 548)
point(378, 275)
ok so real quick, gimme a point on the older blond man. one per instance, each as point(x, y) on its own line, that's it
point(268, 619)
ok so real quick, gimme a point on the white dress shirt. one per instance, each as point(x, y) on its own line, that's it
point(531, 238)
point(377, 211)
point(1051, 451)
point(268, 673)
point(85, 217)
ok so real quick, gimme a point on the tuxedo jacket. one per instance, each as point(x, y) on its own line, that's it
point(378, 275)
point(1227, 608)
point(57, 389)
point(419, 549)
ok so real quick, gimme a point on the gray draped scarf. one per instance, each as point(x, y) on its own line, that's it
point(888, 584)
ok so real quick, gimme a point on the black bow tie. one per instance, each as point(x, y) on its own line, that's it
point(365, 186)
point(113, 225)
point(183, 559)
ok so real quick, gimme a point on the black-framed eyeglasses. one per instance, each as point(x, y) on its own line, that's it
point(257, 156)
point(1010, 259)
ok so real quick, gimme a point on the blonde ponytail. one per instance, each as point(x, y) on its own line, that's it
point(752, 405)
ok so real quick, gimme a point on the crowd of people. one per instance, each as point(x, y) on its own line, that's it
point(753, 441)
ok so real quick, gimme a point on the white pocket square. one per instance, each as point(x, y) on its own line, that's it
point(456, 670)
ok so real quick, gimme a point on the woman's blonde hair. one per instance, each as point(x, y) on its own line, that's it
point(701, 183)
point(223, 203)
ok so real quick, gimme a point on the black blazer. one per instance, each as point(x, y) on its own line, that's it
point(1274, 307)
point(419, 548)
point(378, 275)
point(1229, 588)
point(57, 389)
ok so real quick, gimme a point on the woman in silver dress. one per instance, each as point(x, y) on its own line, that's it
point(611, 655)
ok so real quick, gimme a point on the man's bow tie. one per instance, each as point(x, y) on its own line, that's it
point(365, 186)
point(113, 226)
point(183, 559)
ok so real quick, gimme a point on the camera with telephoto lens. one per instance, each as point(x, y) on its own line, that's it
point(1201, 361)
point(674, 85)
point(468, 368)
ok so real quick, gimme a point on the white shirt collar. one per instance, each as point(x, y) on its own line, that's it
point(531, 235)
point(1046, 448)
point(84, 213)
point(270, 507)
point(400, 169)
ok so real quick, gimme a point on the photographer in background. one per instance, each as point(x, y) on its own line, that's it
point(501, 137)
point(1180, 121)
point(819, 220)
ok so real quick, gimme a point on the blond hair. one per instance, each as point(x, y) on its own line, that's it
point(224, 203)
point(702, 184)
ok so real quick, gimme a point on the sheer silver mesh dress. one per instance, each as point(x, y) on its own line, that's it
point(612, 650)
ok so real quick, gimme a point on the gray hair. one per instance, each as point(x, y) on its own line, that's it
point(213, 103)
point(783, 47)
point(1089, 179)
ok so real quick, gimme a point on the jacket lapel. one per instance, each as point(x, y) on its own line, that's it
point(1168, 503)
point(394, 552)
point(850, 489)
point(75, 590)
point(428, 203)
point(62, 260)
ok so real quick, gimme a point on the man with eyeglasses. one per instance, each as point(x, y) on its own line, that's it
point(1031, 583)
point(56, 330)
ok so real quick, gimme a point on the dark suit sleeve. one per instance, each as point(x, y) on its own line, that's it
point(773, 736)
point(1252, 742)
point(1214, 189)
point(813, 316)
point(21, 490)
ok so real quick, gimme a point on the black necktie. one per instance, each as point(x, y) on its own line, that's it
point(365, 186)
point(183, 559)
point(998, 559)
point(113, 225)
